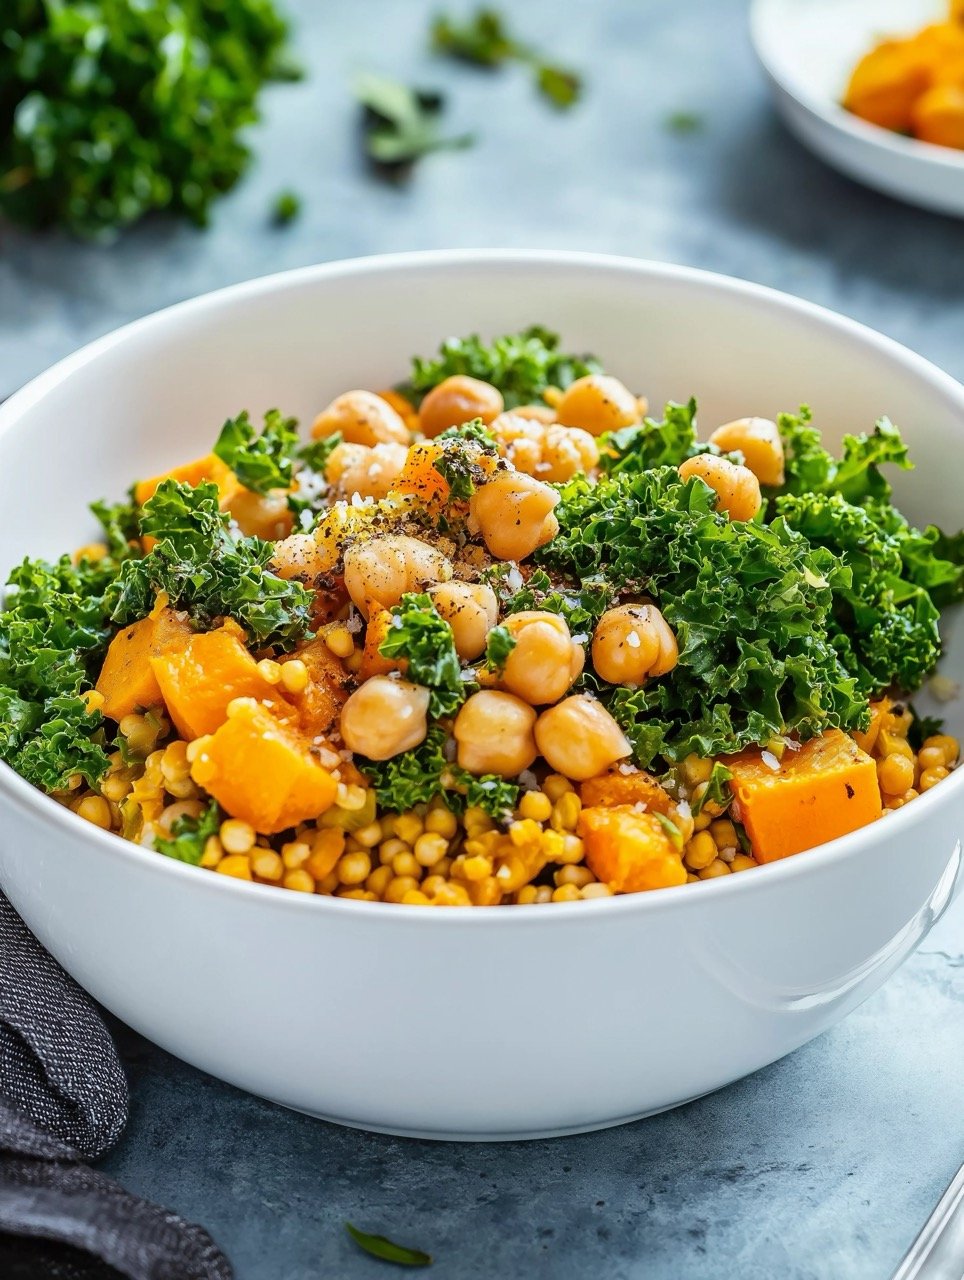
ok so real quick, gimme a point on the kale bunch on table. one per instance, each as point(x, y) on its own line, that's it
point(111, 109)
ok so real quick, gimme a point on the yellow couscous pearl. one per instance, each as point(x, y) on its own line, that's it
point(572, 849)
point(267, 864)
point(93, 700)
point(544, 894)
point(350, 797)
point(378, 881)
point(717, 868)
point(696, 770)
point(477, 868)
point(579, 876)
point(945, 743)
point(595, 890)
point(237, 836)
point(415, 898)
point(213, 852)
point(406, 864)
point(565, 812)
point(700, 852)
point(299, 880)
point(742, 863)
point(354, 868)
point(95, 809)
point(895, 773)
point(556, 786)
point(408, 827)
point(930, 758)
point(566, 893)
point(398, 886)
point(270, 670)
point(339, 640)
point(931, 777)
point(368, 836)
point(452, 895)
point(236, 865)
point(535, 805)
point(429, 847)
point(441, 822)
point(294, 676)
point(115, 787)
point(526, 896)
point(724, 834)
point(294, 854)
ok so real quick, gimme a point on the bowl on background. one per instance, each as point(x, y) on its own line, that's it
point(808, 49)
point(476, 1024)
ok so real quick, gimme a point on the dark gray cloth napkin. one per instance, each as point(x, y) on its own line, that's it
point(63, 1101)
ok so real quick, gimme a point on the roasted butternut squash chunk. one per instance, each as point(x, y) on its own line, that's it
point(193, 473)
point(198, 682)
point(615, 788)
point(630, 851)
point(826, 789)
point(326, 692)
point(127, 678)
point(374, 663)
point(261, 770)
point(866, 739)
point(419, 476)
point(887, 82)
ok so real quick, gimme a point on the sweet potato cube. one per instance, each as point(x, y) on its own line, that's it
point(199, 681)
point(418, 475)
point(193, 473)
point(127, 678)
point(826, 789)
point(373, 662)
point(630, 851)
point(261, 770)
point(617, 788)
point(326, 692)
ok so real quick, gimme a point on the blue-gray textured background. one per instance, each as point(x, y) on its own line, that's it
point(822, 1166)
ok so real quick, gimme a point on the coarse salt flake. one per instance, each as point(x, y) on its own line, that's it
point(770, 760)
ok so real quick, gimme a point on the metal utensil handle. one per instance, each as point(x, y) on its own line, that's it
point(938, 1251)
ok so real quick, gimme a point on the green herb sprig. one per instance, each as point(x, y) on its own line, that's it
point(401, 124)
point(484, 39)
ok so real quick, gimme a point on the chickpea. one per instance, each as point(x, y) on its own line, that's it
point(456, 400)
point(545, 660)
point(299, 556)
point(632, 643)
point(385, 717)
point(549, 451)
point(513, 512)
point(597, 403)
point(758, 439)
point(471, 610)
point(579, 738)
point(383, 569)
point(536, 413)
point(362, 418)
point(494, 734)
point(368, 471)
point(737, 489)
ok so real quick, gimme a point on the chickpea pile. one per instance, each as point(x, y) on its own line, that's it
point(395, 524)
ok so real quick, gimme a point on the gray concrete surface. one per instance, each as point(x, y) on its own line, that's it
point(821, 1167)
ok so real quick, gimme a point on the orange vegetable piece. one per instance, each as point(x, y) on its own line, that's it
point(419, 477)
point(866, 739)
point(615, 788)
point(374, 663)
point(212, 670)
point(826, 789)
point(938, 116)
point(886, 83)
point(630, 851)
point(318, 706)
point(193, 473)
point(261, 770)
point(127, 679)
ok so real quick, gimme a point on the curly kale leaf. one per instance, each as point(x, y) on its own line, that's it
point(498, 645)
point(208, 571)
point(424, 640)
point(521, 365)
point(462, 449)
point(418, 776)
point(54, 631)
point(110, 110)
point(581, 606)
point(856, 476)
point(651, 443)
point(261, 461)
point(749, 605)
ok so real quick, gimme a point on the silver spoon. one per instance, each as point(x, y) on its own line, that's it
point(938, 1251)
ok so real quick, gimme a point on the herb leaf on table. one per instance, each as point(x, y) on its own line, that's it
point(388, 1250)
point(401, 123)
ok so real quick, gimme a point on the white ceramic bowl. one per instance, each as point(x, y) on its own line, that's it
point(809, 49)
point(487, 1023)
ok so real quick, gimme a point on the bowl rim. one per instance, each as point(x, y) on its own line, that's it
point(16, 792)
point(834, 114)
